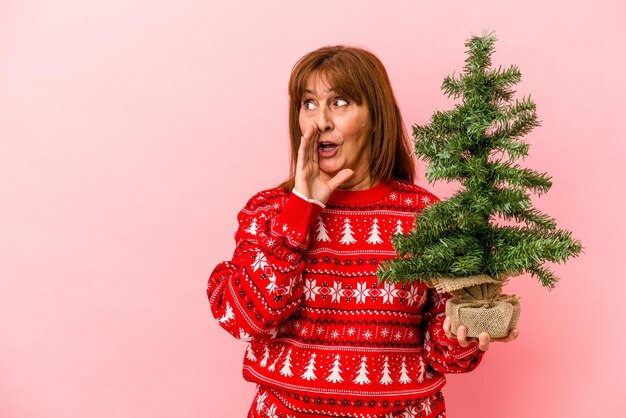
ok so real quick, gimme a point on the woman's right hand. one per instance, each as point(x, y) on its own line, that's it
point(310, 180)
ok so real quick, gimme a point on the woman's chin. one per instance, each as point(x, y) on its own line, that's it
point(330, 169)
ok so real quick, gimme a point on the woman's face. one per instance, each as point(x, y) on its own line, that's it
point(344, 128)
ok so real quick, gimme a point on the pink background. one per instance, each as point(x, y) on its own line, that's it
point(131, 134)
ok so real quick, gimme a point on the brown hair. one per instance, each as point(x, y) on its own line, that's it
point(360, 75)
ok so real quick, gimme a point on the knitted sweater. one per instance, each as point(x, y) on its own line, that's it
point(325, 335)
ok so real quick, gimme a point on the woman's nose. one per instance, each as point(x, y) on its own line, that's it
point(324, 120)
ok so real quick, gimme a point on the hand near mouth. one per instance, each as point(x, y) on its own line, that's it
point(309, 179)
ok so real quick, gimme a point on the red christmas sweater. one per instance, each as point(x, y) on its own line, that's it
point(325, 336)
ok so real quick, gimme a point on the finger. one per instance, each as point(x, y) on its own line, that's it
point(461, 335)
point(315, 139)
point(302, 150)
point(483, 341)
point(340, 177)
point(446, 327)
point(311, 151)
point(512, 335)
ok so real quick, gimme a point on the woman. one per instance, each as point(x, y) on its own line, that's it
point(326, 337)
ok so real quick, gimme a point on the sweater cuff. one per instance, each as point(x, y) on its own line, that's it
point(301, 195)
point(296, 218)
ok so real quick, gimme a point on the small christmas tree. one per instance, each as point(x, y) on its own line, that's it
point(309, 373)
point(459, 245)
point(404, 373)
point(361, 378)
point(335, 372)
point(386, 379)
point(286, 370)
point(347, 237)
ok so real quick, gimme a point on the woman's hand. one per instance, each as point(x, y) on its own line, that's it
point(483, 340)
point(309, 179)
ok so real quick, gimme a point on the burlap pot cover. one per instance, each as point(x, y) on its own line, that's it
point(479, 304)
point(497, 317)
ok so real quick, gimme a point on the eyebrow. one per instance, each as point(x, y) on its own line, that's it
point(312, 92)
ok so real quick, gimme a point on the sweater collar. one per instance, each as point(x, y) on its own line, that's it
point(371, 195)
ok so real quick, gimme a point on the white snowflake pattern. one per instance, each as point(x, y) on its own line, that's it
point(260, 262)
point(425, 199)
point(319, 330)
point(384, 332)
point(260, 401)
point(413, 296)
point(336, 292)
point(408, 200)
point(297, 325)
point(410, 412)
point(334, 334)
point(438, 300)
point(393, 196)
point(361, 292)
point(367, 334)
point(291, 257)
point(351, 331)
point(271, 412)
point(271, 242)
point(388, 291)
point(397, 335)
point(244, 336)
point(285, 227)
point(271, 286)
point(411, 334)
point(309, 286)
point(303, 331)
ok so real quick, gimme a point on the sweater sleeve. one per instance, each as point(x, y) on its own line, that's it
point(250, 294)
point(444, 354)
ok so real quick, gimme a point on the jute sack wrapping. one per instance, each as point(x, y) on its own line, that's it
point(497, 317)
point(478, 304)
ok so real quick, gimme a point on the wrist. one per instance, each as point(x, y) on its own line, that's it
point(306, 198)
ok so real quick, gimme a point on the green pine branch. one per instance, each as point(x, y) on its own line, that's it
point(476, 144)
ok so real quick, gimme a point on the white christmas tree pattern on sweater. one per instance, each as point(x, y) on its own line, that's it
point(386, 379)
point(309, 373)
point(273, 365)
point(322, 234)
point(361, 377)
point(374, 237)
point(250, 353)
point(286, 370)
point(252, 229)
point(399, 229)
point(335, 372)
point(348, 237)
point(422, 371)
point(228, 315)
point(404, 373)
point(266, 356)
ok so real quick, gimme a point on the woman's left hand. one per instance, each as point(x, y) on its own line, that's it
point(483, 340)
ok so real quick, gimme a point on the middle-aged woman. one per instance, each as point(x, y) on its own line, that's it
point(326, 338)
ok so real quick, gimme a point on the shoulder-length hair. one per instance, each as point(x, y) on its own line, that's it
point(359, 75)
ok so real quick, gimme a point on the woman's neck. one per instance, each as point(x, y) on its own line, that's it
point(354, 184)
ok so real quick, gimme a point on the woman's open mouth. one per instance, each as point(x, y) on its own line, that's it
point(327, 149)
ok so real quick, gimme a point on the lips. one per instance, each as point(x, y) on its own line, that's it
point(328, 148)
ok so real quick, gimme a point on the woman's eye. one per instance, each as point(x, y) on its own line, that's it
point(341, 102)
point(308, 105)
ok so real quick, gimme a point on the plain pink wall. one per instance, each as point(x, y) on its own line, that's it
point(131, 134)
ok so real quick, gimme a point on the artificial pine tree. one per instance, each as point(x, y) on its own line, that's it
point(470, 244)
